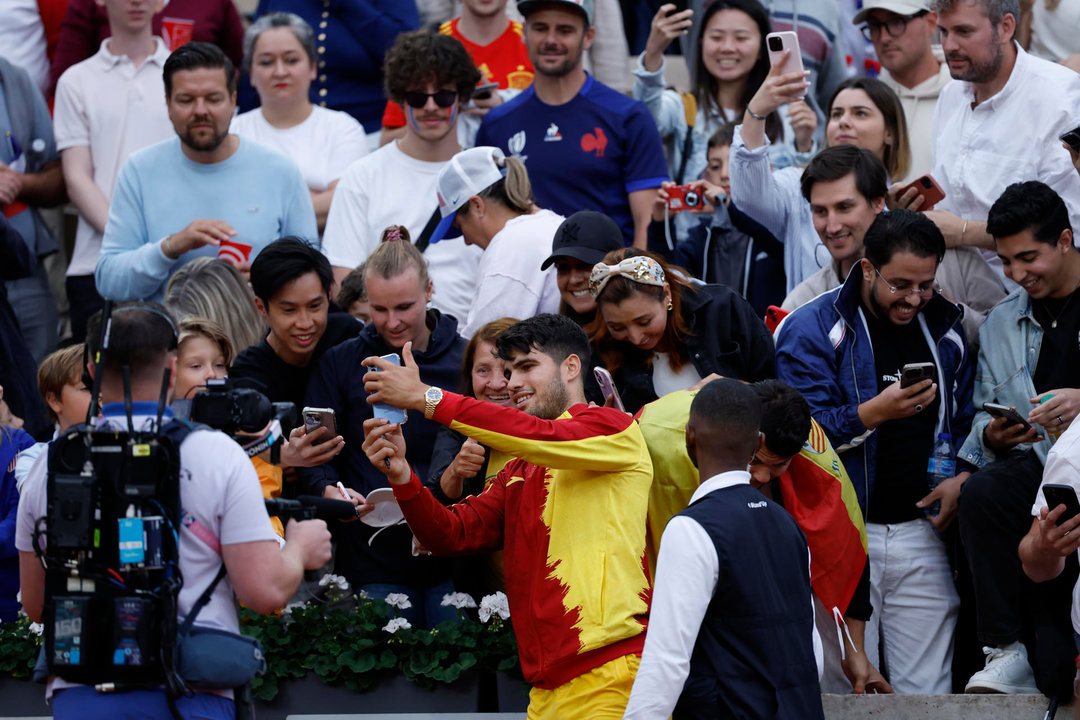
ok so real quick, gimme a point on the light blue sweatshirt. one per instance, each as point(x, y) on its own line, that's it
point(259, 192)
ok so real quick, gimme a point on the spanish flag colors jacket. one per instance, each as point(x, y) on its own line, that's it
point(569, 512)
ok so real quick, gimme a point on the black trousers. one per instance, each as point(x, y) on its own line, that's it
point(995, 514)
point(84, 301)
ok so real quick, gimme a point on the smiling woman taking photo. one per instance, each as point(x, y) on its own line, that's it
point(731, 65)
point(656, 333)
point(279, 56)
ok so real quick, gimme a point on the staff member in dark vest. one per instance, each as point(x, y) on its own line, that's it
point(731, 631)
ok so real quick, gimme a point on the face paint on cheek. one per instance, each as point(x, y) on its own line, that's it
point(410, 114)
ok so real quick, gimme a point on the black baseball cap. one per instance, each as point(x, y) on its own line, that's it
point(586, 236)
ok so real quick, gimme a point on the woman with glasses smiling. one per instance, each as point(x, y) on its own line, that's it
point(280, 58)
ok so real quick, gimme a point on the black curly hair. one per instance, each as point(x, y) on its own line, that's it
point(421, 56)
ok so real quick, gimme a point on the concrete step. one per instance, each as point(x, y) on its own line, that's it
point(941, 707)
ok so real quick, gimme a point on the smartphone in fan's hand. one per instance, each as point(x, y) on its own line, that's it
point(382, 410)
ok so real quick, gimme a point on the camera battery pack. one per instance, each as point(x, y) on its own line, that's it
point(133, 619)
point(153, 535)
point(132, 543)
point(69, 515)
point(71, 627)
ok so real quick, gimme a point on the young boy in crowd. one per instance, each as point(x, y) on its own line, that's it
point(66, 397)
point(352, 296)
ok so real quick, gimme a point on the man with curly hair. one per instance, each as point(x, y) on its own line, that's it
point(431, 76)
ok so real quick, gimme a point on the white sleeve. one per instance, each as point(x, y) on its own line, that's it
point(33, 501)
point(350, 144)
point(1061, 469)
point(500, 296)
point(687, 571)
point(755, 190)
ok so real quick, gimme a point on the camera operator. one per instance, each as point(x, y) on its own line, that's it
point(218, 490)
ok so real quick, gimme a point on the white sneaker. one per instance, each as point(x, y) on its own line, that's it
point(1006, 671)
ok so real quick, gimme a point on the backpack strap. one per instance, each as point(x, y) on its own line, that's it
point(690, 108)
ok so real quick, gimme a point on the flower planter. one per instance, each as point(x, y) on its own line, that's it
point(513, 692)
point(393, 694)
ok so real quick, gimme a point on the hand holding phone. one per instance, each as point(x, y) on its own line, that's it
point(913, 373)
point(1004, 411)
point(926, 188)
point(1062, 495)
point(315, 418)
point(607, 387)
point(382, 410)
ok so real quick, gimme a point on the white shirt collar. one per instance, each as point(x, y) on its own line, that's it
point(158, 57)
point(723, 480)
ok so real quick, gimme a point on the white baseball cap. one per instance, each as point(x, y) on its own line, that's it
point(468, 173)
point(907, 8)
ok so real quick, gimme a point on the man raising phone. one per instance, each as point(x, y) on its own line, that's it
point(569, 512)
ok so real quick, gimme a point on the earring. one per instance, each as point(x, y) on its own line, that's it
point(670, 306)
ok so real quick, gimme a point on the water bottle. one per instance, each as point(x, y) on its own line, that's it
point(940, 467)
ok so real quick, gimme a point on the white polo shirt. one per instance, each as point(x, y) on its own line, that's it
point(107, 104)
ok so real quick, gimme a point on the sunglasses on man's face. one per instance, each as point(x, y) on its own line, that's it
point(443, 98)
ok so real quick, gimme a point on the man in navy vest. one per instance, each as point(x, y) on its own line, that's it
point(731, 631)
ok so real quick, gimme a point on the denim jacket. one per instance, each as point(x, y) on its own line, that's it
point(823, 350)
point(1009, 343)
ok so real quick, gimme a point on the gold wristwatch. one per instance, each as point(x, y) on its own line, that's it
point(432, 398)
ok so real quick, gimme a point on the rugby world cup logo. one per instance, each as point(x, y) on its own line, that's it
point(516, 145)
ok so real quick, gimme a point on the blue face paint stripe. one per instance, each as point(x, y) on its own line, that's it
point(410, 115)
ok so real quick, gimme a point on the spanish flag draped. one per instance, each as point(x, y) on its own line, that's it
point(815, 489)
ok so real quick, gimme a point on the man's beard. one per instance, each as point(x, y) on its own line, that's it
point(552, 403)
point(982, 72)
point(209, 145)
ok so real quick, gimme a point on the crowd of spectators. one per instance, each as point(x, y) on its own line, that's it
point(564, 264)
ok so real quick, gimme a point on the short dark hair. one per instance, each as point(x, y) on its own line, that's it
point(141, 334)
point(724, 136)
point(833, 163)
point(195, 56)
point(352, 288)
point(284, 260)
point(1030, 205)
point(785, 417)
point(557, 336)
point(423, 56)
point(729, 405)
point(902, 231)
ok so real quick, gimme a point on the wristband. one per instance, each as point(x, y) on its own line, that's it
point(754, 115)
point(168, 249)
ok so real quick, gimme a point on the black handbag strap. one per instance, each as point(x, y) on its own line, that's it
point(201, 602)
point(424, 240)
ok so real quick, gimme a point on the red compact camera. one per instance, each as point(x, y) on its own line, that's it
point(684, 197)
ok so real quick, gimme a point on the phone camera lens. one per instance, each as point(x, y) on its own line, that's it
point(776, 44)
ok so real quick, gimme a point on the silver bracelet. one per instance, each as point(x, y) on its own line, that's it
point(753, 114)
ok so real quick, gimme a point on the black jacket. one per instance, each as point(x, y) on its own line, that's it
point(726, 337)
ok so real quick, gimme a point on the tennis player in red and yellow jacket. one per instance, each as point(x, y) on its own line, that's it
point(569, 512)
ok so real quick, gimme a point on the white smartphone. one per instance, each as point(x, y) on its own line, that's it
point(607, 386)
point(315, 418)
point(779, 42)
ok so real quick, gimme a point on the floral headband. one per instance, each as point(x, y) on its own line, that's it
point(640, 269)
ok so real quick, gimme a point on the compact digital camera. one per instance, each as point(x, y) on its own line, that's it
point(684, 197)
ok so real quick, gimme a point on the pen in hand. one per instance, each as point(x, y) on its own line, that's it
point(345, 496)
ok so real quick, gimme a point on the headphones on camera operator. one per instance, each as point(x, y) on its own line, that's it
point(112, 531)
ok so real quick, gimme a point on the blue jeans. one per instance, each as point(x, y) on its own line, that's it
point(85, 703)
point(426, 611)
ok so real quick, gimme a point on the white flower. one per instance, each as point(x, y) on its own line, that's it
point(397, 624)
point(398, 600)
point(37, 628)
point(336, 580)
point(494, 605)
point(287, 612)
point(458, 600)
point(363, 595)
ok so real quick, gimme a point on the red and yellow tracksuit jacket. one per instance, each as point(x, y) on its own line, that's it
point(569, 512)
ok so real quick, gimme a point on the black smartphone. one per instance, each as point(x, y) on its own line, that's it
point(1062, 495)
point(916, 372)
point(1071, 138)
point(1011, 416)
